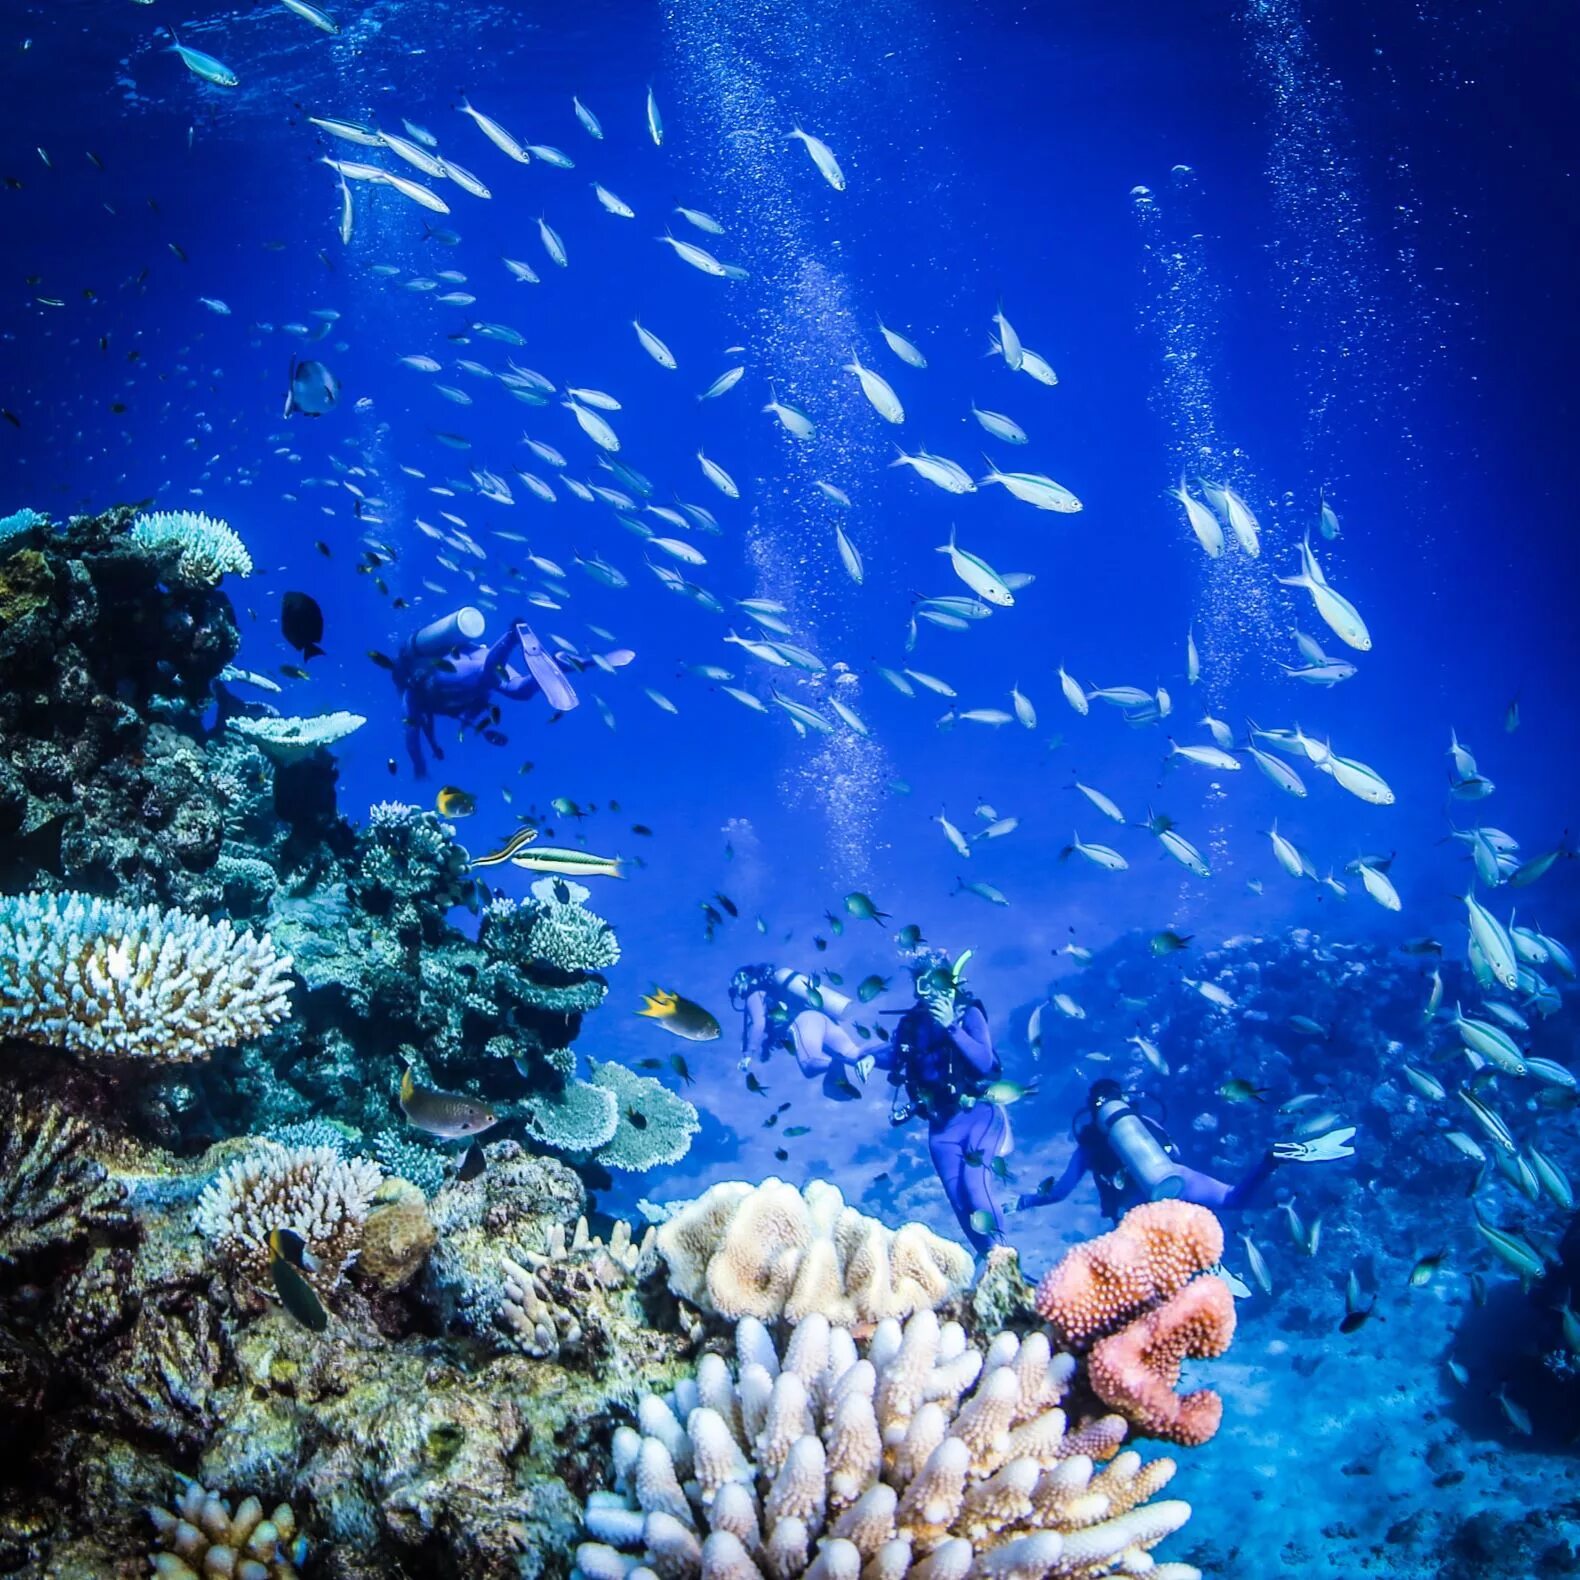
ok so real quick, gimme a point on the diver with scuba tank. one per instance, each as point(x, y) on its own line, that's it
point(446, 670)
point(942, 1065)
point(1133, 1159)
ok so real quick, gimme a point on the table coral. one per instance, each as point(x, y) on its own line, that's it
point(924, 1455)
point(770, 1250)
point(120, 982)
point(290, 740)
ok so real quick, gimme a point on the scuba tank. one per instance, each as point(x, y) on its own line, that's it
point(435, 640)
point(1138, 1149)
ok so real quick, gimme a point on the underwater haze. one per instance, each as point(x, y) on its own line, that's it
point(972, 603)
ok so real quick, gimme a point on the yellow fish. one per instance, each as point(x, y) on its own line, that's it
point(679, 1016)
point(452, 802)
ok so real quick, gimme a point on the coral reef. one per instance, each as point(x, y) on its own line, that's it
point(886, 1464)
point(653, 1125)
point(1134, 1296)
point(52, 1193)
point(397, 1235)
point(117, 982)
point(770, 1250)
point(104, 783)
point(200, 1537)
point(313, 1190)
point(197, 549)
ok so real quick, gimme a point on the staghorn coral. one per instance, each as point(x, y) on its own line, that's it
point(121, 982)
point(882, 1464)
point(1136, 1370)
point(1153, 1253)
point(19, 521)
point(290, 740)
point(203, 549)
point(52, 1192)
point(313, 1190)
point(770, 1250)
point(400, 1154)
point(1134, 1296)
point(550, 1299)
point(200, 1536)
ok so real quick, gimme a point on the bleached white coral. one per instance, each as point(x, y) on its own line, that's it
point(322, 1196)
point(208, 549)
point(289, 740)
point(770, 1250)
point(116, 981)
point(840, 1465)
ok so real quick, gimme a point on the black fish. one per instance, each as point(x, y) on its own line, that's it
point(289, 1246)
point(383, 660)
point(297, 1296)
point(473, 1164)
point(638, 1120)
point(1355, 1320)
point(302, 623)
point(781, 1154)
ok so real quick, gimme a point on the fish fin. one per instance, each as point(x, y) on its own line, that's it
point(408, 1087)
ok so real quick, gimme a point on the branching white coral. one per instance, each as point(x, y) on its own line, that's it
point(769, 1250)
point(848, 1467)
point(289, 740)
point(208, 548)
point(313, 1190)
point(117, 981)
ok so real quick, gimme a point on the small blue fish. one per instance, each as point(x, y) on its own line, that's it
point(204, 66)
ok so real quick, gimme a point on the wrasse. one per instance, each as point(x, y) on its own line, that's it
point(517, 841)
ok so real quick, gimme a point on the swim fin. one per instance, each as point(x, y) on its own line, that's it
point(556, 689)
point(1320, 1149)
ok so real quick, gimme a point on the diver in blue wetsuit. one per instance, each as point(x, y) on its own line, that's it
point(1133, 1159)
point(941, 1064)
point(446, 671)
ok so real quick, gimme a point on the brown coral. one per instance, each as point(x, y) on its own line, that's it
point(1156, 1250)
point(398, 1235)
point(51, 1191)
point(201, 1537)
point(1136, 1370)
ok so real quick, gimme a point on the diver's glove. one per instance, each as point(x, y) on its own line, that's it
point(864, 1067)
point(941, 1006)
point(1320, 1149)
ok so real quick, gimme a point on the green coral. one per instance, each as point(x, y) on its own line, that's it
point(654, 1126)
point(410, 1160)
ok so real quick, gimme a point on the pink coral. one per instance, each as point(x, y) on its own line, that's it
point(1136, 1370)
point(1100, 1285)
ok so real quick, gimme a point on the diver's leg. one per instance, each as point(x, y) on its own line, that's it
point(1206, 1191)
point(808, 1032)
point(975, 1132)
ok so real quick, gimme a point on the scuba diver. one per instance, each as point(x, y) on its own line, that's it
point(1133, 1159)
point(942, 1065)
point(785, 1008)
point(445, 670)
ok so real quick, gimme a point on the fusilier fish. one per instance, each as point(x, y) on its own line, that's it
point(880, 394)
point(1202, 521)
point(822, 157)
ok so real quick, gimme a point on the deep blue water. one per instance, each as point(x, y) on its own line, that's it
point(1349, 272)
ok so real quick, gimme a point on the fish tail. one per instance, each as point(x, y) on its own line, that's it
point(408, 1087)
point(312, 650)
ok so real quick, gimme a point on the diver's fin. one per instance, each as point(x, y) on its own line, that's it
point(557, 690)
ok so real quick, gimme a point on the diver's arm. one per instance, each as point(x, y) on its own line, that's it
point(1074, 1172)
point(974, 1041)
